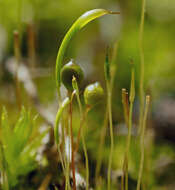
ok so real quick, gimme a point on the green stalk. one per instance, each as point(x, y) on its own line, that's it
point(86, 159)
point(56, 129)
point(109, 107)
point(141, 65)
point(72, 140)
point(101, 144)
point(111, 136)
point(109, 75)
point(142, 137)
point(125, 105)
point(126, 116)
point(128, 144)
point(82, 121)
point(78, 24)
point(75, 87)
point(131, 99)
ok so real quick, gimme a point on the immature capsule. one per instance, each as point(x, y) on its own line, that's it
point(93, 94)
point(68, 71)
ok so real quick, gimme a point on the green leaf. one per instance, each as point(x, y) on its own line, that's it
point(78, 24)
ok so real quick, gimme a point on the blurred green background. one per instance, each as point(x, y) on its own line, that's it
point(51, 19)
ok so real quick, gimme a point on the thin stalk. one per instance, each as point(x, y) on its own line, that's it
point(107, 70)
point(131, 99)
point(111, 136)
point(141, 65)
point(128, 144)
point(142, 138)
point(113, 68)
point(126, 116)
point(81, 130)
point(86, 159)
point(125, 105)
point(68, 167)
point(102, 140)
point(18, 59)
point(72, 146)
point(83, 119)
point(70, 136)
point(56, 129)
point(75, 87)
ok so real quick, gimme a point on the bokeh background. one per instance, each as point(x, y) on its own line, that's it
point(47, 21)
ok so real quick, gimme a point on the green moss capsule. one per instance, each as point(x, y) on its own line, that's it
point(68, 71)
point(93, 94)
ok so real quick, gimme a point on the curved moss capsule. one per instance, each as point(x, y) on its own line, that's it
point(93, 94)
point(68, 71)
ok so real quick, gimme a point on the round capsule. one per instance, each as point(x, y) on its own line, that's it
point(68, 71)
point(93, 94)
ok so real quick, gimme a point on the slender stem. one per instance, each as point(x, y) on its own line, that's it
point(86, 159)
point(67, 171)
point(125, 106)
point(72, 148)
point(56, 128)
point(141, 65)
point(131, 99)
point(83, 118)
point(142, 137)
point(126, 116)
point(128, 144)
point(102, 140)
point(111, 136)
point(81, 130)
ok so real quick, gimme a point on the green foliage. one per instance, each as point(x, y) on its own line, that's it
point(19, 145)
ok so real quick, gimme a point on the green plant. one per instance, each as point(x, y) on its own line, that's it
point(19, 145)
point(78, 24)
point(66, 74)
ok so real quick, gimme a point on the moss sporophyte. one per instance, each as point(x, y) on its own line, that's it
point(71, 76)
point(93, 94)
point(68, 71)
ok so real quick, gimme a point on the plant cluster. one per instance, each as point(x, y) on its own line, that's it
point(19, 143)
